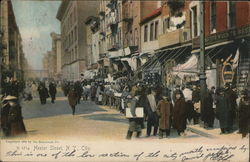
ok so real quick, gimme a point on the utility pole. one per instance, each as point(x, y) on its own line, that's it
point(202, 55)
point(1, 47)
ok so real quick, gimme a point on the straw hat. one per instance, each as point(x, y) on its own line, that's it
point(10, 98)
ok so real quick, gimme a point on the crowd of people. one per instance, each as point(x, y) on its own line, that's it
point(163, 108)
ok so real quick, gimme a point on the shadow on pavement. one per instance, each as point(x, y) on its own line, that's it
point(33, 109)
point(107, 117)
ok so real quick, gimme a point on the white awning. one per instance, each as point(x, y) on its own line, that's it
point(188, 68)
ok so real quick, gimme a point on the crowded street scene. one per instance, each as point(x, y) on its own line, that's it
point(148, 71)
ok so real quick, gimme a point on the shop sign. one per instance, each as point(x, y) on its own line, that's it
point(235, 33)
point(227, 72)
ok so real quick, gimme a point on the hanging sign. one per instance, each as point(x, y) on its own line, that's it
point(227, 72)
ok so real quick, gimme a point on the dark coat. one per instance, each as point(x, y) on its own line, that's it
point(72, 98)
point(52, 90)
point(232, 98)
point(180, 115)
point(223, 111)
point(196, 95)
point(13, 121)
point(43, 92)
point(244, 116)
point(208, 111)
point(16, 121)
point(164, 112)
point(4, 119)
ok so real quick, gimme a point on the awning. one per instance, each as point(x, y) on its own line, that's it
point(180, 54)
point(218, 51)
point(212, 46)
point(89, 74)
point(189, 68)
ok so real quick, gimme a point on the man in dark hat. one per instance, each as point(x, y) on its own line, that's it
point(223, 111)
point(208, 112)
point(244, 114)
point(72, 98)
point(43, 93)
point(231, 94)
point(52, 92)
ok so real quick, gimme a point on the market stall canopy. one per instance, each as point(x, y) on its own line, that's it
point(179, 54)
point(89, 74)
point(188, 68)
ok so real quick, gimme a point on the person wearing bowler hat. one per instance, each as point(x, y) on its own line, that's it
point(223, 111)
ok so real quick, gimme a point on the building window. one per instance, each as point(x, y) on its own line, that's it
point(136, 37)
point(166, 25)
point(231, 14)
point(156, 29)
point(76, 53)
point(131, 38)
point(213, 16)
point(151, 31)
point(194, 21)
point(145, 33)
point(75, 14)
point(71, 19)
point(75, 33)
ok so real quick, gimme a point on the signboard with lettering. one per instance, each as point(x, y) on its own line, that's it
point(227, 73)
point(235, 33)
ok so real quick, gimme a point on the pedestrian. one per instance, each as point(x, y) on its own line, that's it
point(232, 96)
point(73, 99)
point(196, 100)
point(177, 89)
point(135, 123)
point(79, 90)
point(11, 117)
point(187, 92)
point(208, 112)
point(244, 114)
point(180, 114)
point(43, 93)
point(52, 92)
point(164, 109)
point(223, 110)
point(34, 89)
point(124, 100)
point(153, 120)
point(93, 90)
point(27, 92)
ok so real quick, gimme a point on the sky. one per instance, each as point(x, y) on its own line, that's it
point(36, 20)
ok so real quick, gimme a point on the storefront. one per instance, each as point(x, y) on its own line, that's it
point(228, 55)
